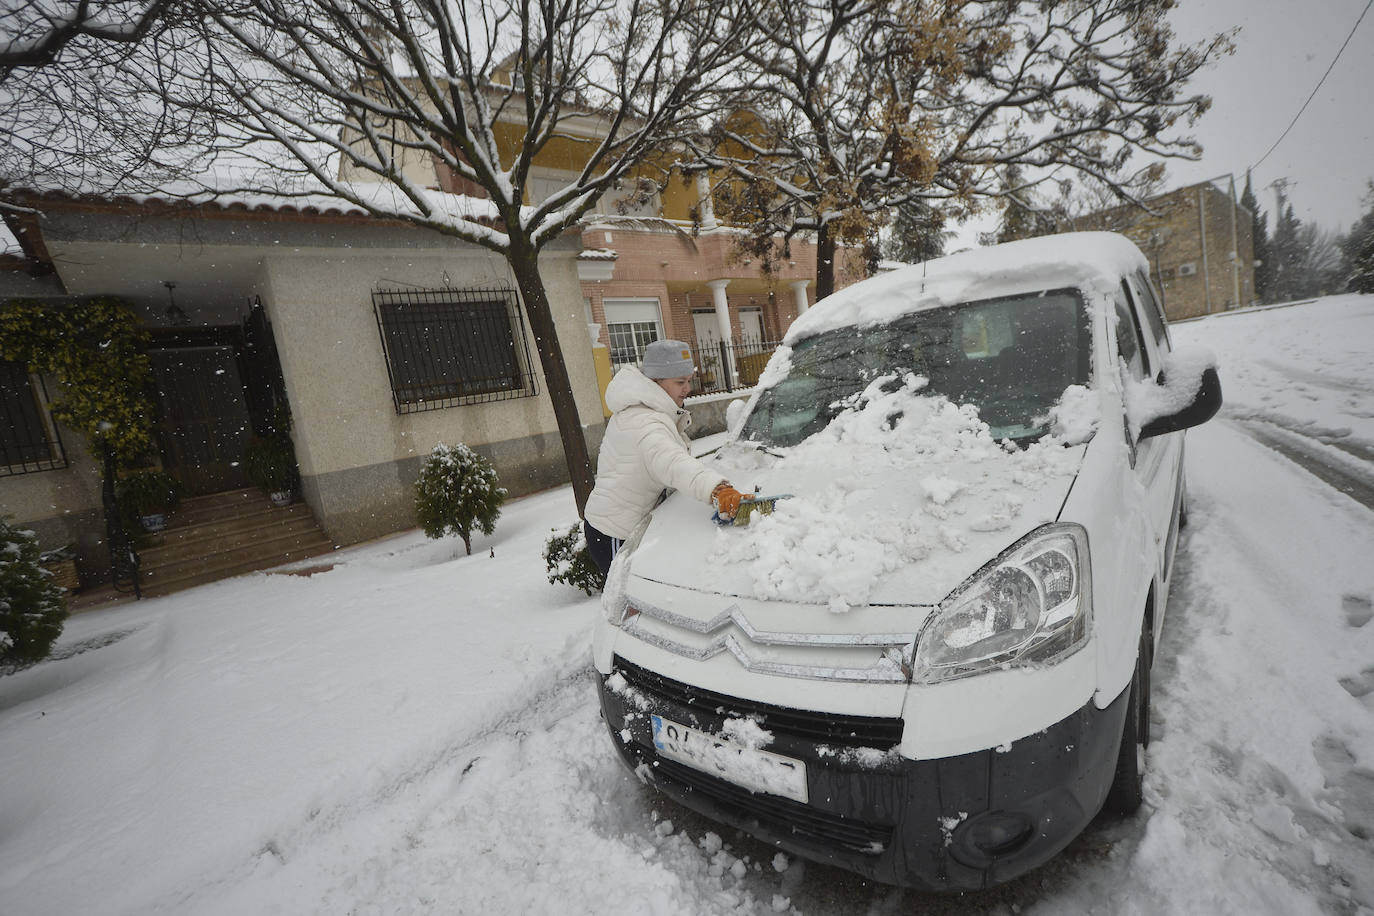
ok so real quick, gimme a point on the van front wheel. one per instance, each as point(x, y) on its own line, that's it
point(1126, 793)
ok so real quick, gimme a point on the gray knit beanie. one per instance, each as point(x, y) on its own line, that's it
point(668, 359)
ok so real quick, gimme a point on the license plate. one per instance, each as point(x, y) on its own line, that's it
point(755, 770)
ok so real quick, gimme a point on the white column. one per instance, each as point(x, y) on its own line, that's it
point(708, 207)
point(799, 291)
point(723, 322)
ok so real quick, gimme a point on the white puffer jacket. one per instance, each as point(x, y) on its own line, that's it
point(644, 451)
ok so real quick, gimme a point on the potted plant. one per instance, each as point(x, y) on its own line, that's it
point(150, 494)
point(709, 362)
point(270, 463)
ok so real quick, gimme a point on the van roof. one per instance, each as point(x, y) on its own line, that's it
point(1091, 261)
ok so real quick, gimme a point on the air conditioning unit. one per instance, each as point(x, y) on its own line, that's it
point(1187, 270)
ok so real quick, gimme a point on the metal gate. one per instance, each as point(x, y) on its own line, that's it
point(204, 420)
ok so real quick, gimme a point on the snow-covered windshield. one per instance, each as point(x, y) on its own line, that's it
point(1011, 358)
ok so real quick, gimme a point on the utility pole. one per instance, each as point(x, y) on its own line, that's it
point(1278, 269)
point(1280, 186)
point(1235, 247)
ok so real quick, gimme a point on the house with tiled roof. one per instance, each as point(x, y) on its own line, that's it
point(383, 339)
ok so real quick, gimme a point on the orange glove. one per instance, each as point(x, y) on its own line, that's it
point(726, 499)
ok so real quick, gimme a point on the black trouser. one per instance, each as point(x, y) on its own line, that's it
point(602, 547)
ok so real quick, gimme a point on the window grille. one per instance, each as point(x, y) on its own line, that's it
point(446, 347)
point(29, 440)
point(628, 340)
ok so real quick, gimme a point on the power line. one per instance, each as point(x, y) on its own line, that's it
point(1317, 88)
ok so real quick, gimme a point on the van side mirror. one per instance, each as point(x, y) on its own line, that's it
point(1205, 403)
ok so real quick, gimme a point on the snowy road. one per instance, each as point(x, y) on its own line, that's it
point(415, 731)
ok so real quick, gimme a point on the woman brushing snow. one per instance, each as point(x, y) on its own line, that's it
point(645, 451)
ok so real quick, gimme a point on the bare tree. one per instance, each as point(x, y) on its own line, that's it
point(357, 99)
point(1320, 265)
point(75, 113)
point(34, 32)
point(1064, 205)
point(866, 106)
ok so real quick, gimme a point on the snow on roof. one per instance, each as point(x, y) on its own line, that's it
point(384, 197)
point(1088, 260)
point(631, 222)
point(598, 254)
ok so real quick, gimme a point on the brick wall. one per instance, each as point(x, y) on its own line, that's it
point(1189, 241)
point(657, 260)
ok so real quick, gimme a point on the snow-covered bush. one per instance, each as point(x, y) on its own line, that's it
point(567, 559)
point(456, 493)
point(32, 605)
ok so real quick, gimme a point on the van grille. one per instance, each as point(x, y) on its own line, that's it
point(830, 729)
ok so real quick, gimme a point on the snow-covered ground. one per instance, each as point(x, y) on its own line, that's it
point(415, 730)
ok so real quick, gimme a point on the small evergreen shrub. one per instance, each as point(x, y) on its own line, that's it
point(32, 605)
point(456, 493)
point(567, 559)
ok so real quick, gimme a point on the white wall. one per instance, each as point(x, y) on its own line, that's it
point(358, 456)
point(335, 369)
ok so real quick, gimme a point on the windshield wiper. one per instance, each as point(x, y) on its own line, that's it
point(759, 447)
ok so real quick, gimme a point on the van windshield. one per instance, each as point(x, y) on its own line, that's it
point(1011, 358)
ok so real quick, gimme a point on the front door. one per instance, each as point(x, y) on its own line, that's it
point(751, 327)
point(204, 424)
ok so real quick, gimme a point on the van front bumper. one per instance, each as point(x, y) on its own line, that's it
point(958, 823)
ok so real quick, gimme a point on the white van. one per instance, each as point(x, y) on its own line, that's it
point(930, 663)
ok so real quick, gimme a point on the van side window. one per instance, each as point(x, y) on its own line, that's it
point(1128, 342)
point(1154, 316)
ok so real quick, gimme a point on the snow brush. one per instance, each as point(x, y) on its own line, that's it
point(748, 506)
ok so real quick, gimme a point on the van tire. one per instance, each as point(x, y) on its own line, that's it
point(1127, 791)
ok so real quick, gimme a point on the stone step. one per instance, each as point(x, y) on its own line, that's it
point(263, 553)
point(228, 522)
point(226, 498)
point(189, 513)
point(214, 537)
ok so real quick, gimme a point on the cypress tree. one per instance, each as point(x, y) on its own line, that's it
point(1259, 229)
point(1286, 280)
point(1358, 248)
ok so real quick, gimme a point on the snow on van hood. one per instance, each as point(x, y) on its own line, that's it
point(878, 513)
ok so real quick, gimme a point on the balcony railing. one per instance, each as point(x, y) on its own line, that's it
point(730, 366)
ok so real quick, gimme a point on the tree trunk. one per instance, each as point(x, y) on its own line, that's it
point(123, 556)
point(825, 263)
point(524, 262)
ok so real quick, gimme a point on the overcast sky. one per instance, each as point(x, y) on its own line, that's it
point(1283, 49)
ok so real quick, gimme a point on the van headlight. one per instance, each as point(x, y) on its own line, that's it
point(1030, 606)
point(614, 600)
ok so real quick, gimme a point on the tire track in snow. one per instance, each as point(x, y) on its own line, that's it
point(1326, 380)
point(1351, 473)
point(1338, 437)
